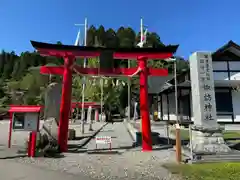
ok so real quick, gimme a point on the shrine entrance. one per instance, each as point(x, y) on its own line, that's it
point(69, 53)
point(94, 105)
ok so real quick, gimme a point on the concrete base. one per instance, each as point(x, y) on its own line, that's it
point(137, 135)
point(71, 134)
point(232, 156)
point(208, 140)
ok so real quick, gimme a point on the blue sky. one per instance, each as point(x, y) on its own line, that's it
point(194, 24)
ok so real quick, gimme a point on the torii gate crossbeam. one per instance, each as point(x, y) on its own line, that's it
point(69, 53)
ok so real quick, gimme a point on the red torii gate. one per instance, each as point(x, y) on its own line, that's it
point(69, 53)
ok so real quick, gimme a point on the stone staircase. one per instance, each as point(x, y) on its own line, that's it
point(233, 156)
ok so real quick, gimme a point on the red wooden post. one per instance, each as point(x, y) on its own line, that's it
point(10, 130)
point(146, 126)
point(33, 143)
point(30, 144)
point(65, 103)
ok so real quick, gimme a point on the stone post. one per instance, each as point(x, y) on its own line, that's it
point(96, 115)
point(206, 135)
point(89, 118)
point(135, 115)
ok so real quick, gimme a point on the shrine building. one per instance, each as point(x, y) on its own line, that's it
point(226, 73)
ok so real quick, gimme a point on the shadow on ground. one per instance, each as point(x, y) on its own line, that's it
point(165, 140)
point(79, 148)
point(13, 157)
point(80, 138)
point(11, 153)
point(104, 152)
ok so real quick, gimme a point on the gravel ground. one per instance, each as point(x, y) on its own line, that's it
point(126, 164)
point(120, 164)
point(129, 165)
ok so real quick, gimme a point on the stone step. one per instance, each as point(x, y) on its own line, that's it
point(233, 156)
point(215, 160)
point(222, 155)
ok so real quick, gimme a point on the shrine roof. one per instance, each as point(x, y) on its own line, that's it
point(164, 49)
point(225, 47)
point(229, 51)
point(24, 108)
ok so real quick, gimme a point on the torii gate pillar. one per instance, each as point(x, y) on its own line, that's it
point(146, 125)
point(65, 103)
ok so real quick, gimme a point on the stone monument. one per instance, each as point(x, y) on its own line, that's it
point(206, 133)
point(49, 131)
point(53, 101)
point(51, 112)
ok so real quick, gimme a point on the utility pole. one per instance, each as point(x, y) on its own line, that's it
point(77, 43)
point(143, 36)
point(141, 28)
point(129, 95)
point(84, 78)
point(101, 84)
point(177, 126)
point(176, 90)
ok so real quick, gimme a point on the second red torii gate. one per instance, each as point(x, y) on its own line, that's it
point(69, 53)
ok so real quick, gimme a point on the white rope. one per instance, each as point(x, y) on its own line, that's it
point(137, 71)
point(134, 74)
point(106, 79)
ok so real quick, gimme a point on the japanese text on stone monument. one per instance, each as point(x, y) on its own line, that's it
point(203, 93)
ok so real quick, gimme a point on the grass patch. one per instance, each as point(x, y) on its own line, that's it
point(183, 133)
point(226, 135)
point(231, 134)
point(213, 171)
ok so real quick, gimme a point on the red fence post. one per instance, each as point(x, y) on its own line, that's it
point(29, 144)
point(33, 143)
point(10, 130)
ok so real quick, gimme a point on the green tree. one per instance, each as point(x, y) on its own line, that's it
point(21, 82)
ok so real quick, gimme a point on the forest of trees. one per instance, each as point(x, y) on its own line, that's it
point(21, 82)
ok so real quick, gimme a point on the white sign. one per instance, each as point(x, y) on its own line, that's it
point(25, 121)
point(103, 140)
point(203, 93)
point(31, 122)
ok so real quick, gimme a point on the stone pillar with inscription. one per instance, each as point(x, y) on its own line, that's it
point(206, 133)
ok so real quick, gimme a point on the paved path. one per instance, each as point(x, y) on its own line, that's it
point(19, 139)
point(11, 170)
point(121, 139)
point(159, 127)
